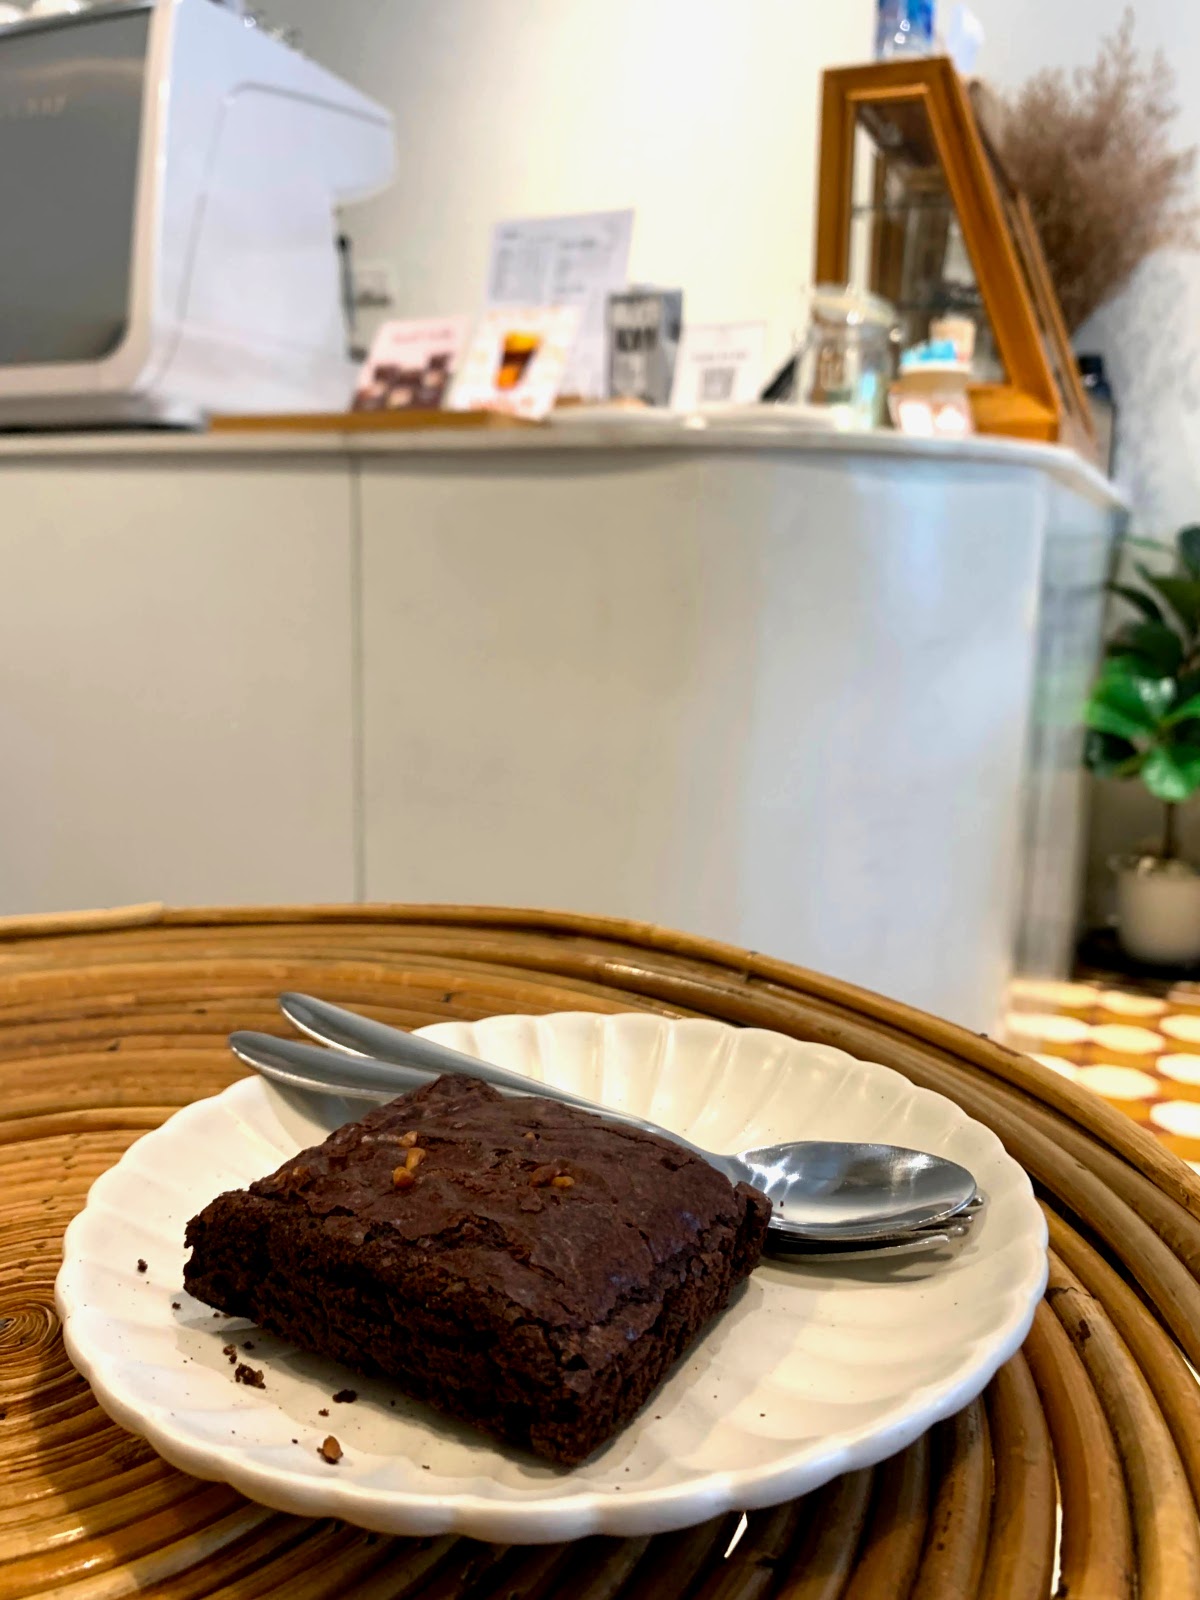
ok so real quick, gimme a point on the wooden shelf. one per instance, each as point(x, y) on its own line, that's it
point(365, 421)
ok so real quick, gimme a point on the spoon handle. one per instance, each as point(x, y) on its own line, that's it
point(407, 1055)
point(347, 1032)
point(304, 1066)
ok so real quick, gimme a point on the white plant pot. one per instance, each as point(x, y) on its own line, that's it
point(1158, 912)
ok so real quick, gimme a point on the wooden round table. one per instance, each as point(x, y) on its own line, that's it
point(110, 1021)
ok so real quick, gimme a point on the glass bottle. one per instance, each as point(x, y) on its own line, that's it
point(904, 28)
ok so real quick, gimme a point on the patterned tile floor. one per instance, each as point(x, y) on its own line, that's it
point(1140, 1052)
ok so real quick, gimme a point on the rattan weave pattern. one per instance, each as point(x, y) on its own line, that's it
point(109, 1021)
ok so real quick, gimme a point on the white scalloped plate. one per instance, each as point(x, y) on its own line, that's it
point(811, 1371)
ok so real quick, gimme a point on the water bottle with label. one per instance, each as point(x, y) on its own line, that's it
point(904, 28)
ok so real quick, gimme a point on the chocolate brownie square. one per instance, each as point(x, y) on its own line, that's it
point(525, 1267)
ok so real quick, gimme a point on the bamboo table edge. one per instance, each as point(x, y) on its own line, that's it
point(962, 1512)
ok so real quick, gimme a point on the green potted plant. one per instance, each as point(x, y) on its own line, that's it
point(1143, 722)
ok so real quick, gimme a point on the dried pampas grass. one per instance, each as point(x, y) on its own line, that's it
point(1093, 154)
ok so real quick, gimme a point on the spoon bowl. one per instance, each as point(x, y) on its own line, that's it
point(856, 1190)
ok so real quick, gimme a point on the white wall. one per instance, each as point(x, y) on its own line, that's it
point(702, 114)
point(1149, 336)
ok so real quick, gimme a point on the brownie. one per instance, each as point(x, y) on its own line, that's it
point(526, 1267)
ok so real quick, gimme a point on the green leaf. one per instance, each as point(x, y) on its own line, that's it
point(1184, 712)
point(1111, 757)
point(1181, 594)
point(1188, 541)
point(1101, 718)
point(1127, 703)
point(1140, 601)
point(1154, 644)
point(1172, 772)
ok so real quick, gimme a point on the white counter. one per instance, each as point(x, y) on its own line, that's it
point(772, 686)
point(579, 431)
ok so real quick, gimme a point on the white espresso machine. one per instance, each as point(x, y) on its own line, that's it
point(168, 244)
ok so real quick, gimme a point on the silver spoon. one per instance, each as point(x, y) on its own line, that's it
point(820, 1190)
point(313, 1070)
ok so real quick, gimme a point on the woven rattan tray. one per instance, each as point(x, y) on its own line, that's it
point(109, 1022)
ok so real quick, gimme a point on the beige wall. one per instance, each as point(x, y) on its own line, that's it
point(702, 114)
point(1149, 336)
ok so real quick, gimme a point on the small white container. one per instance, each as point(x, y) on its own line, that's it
point(930, 398)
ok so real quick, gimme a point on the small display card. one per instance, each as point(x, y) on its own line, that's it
point(720, 364)
point(516, 360)
point(411, 364)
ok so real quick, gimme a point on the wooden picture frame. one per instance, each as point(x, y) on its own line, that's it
point(920, 110)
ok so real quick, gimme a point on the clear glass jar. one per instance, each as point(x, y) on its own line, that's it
point(848, 358)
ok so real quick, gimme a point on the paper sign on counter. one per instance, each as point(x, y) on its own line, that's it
point(411, 364)
point(516, 360)
point(719, 364)
point(566, 261)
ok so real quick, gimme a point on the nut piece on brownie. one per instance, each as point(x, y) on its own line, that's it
point(540, 1289)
